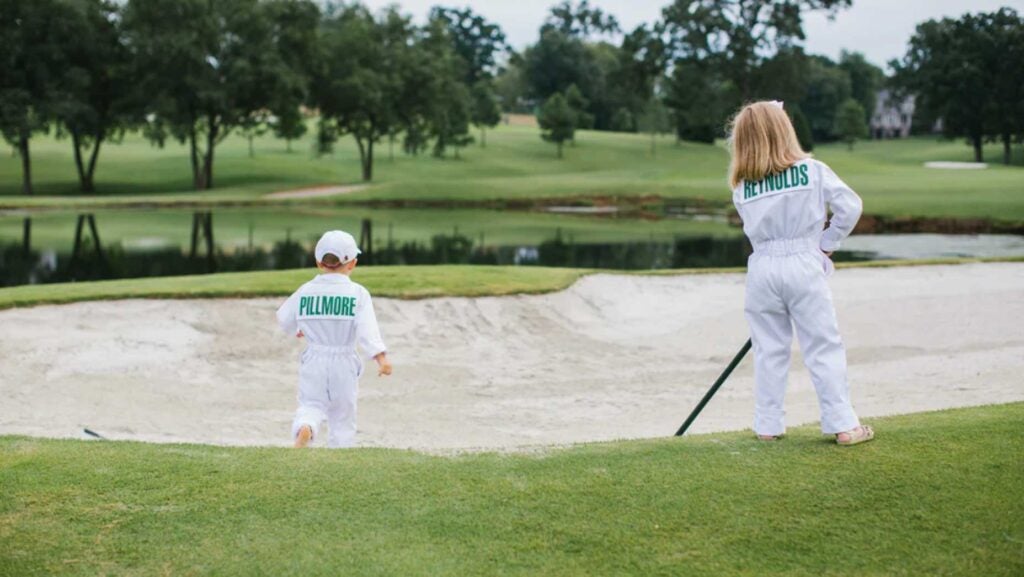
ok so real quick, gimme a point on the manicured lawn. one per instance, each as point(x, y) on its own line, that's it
point(404, 282)
point(385, 281)
point(517, 165)
point(935, 494)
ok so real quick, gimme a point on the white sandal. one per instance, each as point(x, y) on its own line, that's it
point(861, 434)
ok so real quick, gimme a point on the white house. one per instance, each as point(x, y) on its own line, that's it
point(892, 117)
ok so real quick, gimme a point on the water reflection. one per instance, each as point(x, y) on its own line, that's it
point(18, 266)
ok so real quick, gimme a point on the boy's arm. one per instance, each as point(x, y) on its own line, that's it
point(368, 334)
point(288, 315)
point(846, 208)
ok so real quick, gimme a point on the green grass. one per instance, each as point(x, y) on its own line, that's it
point(517, 165)
point(935, 494)
point(404, 282)
point(407, 282)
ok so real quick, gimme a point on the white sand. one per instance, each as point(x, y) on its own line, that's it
point(612, 357)
point(954, 165)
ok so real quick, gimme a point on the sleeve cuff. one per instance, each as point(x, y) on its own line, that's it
point(829, 245)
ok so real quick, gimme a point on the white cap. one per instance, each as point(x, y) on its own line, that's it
point(339, 243)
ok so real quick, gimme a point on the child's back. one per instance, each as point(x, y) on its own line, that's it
point(782, 197)
point(336, 316)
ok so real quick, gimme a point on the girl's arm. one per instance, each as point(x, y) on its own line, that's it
point(846, 208)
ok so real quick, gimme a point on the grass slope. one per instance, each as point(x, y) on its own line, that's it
point(408, 282)
point(517, 165)
point(935, 494)
point(404, 282)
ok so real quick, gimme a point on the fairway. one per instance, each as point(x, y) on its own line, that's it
point(935, 494)
point(518, 166)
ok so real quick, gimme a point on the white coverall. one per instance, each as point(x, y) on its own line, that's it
point(334, 314)
point(783, 215)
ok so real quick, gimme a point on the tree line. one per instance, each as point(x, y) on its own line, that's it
point(969, 72)
point(691, 69)
point(197, 71)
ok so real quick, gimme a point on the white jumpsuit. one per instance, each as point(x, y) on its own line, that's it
point(783, 215)
point(335, 314)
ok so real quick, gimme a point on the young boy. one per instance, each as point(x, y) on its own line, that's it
point(334, 314)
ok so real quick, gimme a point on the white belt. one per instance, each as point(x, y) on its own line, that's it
point(785, 246)
point(329, 349)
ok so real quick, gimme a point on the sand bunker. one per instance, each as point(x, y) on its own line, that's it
point(954, 165)
point(612, 357)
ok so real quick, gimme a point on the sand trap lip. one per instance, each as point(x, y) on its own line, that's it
point(317, 191)
point(951, 165)
point(611, 357)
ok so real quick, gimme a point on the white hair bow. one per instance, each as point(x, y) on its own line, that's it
point(776, 103)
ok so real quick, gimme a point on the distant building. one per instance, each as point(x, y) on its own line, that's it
point(892, 118)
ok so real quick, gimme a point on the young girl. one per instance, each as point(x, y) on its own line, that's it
point(781, 195)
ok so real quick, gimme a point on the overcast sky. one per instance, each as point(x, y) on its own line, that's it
point(878, 28)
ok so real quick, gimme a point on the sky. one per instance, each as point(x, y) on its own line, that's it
point(880, 29)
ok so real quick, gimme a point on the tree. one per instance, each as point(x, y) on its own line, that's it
point(654, 120)
point(850, 122)
point(92, 106)
point(578, 103)
point(641, 59)
point(205, 67)
point(736, 35)
point(866, 80)
point(359, 85)
point(288, 124)
point(511, 86)
point(443, 96)
point(826, 89)
point(945, 66)
point(783, 77)
point(452, 117)
point(486, 112)
point(699, 100)
point(622, 121)
point(581, 20)
point(293, 28)
point(1005, 48)
point(557, 121)
point(34, 36)
point(801, 127)
point(475, 40)
point(255, 125)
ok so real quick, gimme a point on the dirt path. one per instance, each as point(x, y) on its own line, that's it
point(611, 357)
point(317, 192)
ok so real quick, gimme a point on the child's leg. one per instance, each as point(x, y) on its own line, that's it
point(341, 413)
point(824, 355)
point(772, 335)
point(308, 415)
point(312, 396)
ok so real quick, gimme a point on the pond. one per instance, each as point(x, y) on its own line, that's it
point(41, 247)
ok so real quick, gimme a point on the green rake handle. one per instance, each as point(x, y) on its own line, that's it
point(714, 388)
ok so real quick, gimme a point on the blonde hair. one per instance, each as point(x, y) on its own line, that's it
point(762, 142)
